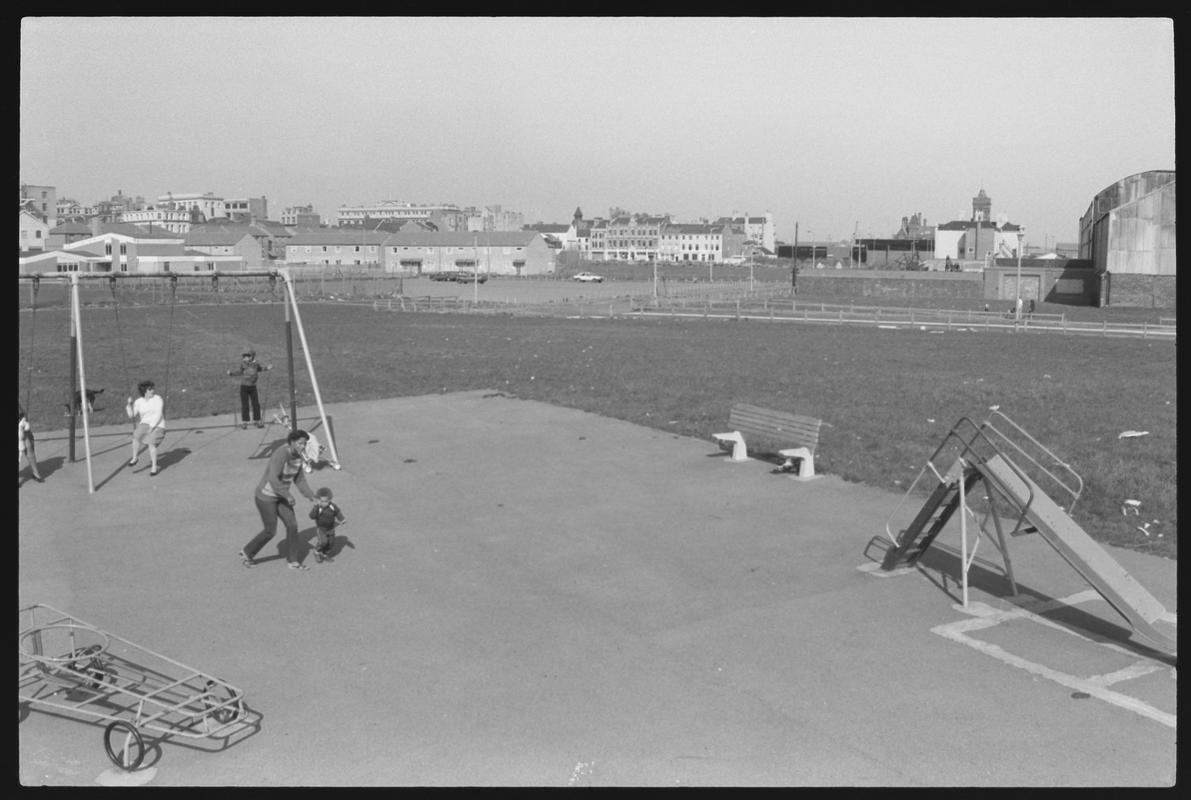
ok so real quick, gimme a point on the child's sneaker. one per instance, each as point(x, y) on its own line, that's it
point(318, 557)
point(297, 565)
point(246, 559)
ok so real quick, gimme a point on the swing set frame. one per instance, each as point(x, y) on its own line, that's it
point(78, 378)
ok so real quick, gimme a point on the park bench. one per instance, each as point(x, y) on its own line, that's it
point(794, 435)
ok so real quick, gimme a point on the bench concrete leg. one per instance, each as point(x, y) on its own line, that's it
point(734, 440)
point(807, 470)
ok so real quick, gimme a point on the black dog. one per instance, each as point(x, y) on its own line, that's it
point(91, 395)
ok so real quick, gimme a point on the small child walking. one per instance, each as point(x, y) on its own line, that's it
point(327, 516)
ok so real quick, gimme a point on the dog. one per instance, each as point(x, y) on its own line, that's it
point(91, 395)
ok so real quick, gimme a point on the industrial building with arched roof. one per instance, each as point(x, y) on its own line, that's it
point(1129, 234)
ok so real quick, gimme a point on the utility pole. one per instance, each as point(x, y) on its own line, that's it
point(794, 267)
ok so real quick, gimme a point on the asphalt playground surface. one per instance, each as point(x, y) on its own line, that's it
point(528, 595)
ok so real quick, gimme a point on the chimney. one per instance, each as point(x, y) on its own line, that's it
point(94, 225)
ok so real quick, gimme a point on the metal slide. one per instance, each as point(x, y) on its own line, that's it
point(1101, 570)
point(972, 453)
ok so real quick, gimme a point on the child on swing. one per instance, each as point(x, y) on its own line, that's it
point(149, 411)
point(25, 445)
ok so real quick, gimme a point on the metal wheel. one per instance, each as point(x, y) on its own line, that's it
point(130, 752)
point(227, 713)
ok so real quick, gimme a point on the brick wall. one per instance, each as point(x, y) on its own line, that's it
point(1146, 291)
point(1142, 291)
point(833, 283)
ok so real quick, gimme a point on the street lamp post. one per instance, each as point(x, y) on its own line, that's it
point(794, 267)
point(1021, 232)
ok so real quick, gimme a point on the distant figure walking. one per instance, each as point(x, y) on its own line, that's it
point(274, 499)
point(149, 411)
point(248, 370)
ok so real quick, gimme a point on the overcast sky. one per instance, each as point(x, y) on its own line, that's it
point(837, 124)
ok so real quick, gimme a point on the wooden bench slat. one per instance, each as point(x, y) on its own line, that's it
point(775, 426)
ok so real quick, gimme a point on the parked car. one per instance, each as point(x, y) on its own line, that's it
point(467, 276)
point(442, 276)
point(589, 277)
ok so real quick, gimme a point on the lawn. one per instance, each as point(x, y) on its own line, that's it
point(887, 397)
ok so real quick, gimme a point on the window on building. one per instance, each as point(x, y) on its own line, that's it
point(165, 267)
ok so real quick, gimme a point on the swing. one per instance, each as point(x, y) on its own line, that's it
point(169, 337)
point(32, 344)
point(77, 355)
point(30, 448)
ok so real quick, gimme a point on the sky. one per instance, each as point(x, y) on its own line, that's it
point(841, 125)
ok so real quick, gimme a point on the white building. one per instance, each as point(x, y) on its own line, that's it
point(208, 205)
point(159, 219)
point(43, 200)
point(33, 231)
point(691, 242)
point(757, 228)
point(128, 250)
point(451, 216)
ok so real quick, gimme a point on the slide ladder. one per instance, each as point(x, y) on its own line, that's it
point(981, 453)
point(934, 515)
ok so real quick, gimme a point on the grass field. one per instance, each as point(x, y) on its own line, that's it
point(887, 397)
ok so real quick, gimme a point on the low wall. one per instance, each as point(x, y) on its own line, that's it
point(875, 283)
point(1142, 291)
point(1073, 284)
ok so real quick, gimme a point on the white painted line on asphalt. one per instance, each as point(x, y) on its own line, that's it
point(984, 616)
point(874, 569)
point(119, 777)
point(1137, 669)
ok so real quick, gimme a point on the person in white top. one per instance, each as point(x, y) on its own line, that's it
point(25, 445)
point(149, 410)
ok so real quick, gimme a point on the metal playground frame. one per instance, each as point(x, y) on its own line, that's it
point(78, 378)
point(70, 668)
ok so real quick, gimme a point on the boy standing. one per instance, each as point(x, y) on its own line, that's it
point(326, 516)
point(249, 369)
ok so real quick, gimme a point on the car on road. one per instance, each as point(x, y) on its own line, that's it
point(442, 276)
point(467, 276)
point(588, 277)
